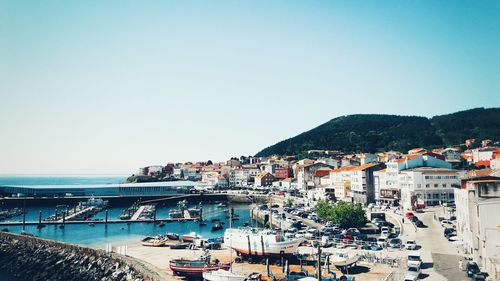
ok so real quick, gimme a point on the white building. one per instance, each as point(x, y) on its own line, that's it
point(210, 177)
point(387, 182)
point(431, 186)
point(483, 153)
point(478, 224)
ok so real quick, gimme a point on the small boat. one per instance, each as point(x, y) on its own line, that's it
point(203, 223)
point(196, 267)
point(179, 246)
point(157, 241)
point(217, 226)
point(189, 237)
point(173, 236)
point(215, 220)
point(222, 275)
point(221, 205)
point(161, 224)
point(91, 224)
point(246, 223)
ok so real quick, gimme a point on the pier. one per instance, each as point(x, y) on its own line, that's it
point(17, 223)
point(138, 213)
point(78, 213)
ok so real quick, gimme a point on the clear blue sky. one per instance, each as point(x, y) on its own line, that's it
point(109, 86)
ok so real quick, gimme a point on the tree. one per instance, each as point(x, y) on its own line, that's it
point(342, 213)
point(209, 162)
point(288, 202)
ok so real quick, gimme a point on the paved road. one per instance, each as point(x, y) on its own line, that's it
point(439, 256)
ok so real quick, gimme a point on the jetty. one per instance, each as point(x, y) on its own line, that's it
point(73, 214)
point(16, 223)
point(138, 213)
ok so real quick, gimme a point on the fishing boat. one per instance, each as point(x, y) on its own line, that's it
point(217, 226)
point(173, 236)
point(260, 242)
point(221, 205)
point(157, 241)
point(196, 267)
point(189, 237)
point(222, 275)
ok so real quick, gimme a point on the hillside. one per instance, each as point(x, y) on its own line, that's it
point(378, 132)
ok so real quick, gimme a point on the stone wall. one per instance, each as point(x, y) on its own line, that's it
point(31, 258)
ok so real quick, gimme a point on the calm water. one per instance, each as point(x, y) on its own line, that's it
point(116, 234)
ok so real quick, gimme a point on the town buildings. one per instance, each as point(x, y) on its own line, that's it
point(478, 223)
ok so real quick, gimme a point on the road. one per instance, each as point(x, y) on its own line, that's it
point(439, 256)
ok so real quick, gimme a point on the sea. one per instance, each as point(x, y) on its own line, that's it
point(101, 235)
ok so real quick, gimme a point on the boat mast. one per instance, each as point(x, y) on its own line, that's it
point(231, 243)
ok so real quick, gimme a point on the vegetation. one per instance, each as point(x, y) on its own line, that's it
point(342, 213)
point(132, 178)
point(376, 132)
point(288, 202)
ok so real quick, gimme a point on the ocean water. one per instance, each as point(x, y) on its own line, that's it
point(115, 234)
point(100, 235)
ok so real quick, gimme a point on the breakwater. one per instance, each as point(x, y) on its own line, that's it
point(31, 258)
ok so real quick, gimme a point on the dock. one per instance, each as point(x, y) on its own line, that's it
point(138, 213)
point(17, 223)
point(78, 213)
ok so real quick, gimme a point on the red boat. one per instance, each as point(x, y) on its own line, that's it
point(172, 236)
point(189, 237)
point(195, 268)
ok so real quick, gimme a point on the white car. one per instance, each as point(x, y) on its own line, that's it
point(382, 242)
point(411, 245)
point(413, 271)
point(414, 259)
point(447, 223)
point(385, 234)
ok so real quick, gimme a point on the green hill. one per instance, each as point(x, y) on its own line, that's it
point(378, 132)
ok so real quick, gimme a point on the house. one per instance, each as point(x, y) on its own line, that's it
point(264, 179)
point(483, 153)
point(210, 177)
point(451, 155)
point(365, 158)
point(354, 183)
point(305, 174)
point(281, 173)
point(478, 225)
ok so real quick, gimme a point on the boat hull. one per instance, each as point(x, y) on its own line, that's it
point(196, 271)
point(259, 244)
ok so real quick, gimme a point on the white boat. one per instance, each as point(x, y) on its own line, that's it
point(260, 242)
point(222, 275)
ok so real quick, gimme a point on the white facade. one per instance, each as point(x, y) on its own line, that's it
point(432, 185)
point(478, 223)
point(480, 154)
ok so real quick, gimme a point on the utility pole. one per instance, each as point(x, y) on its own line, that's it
point(319, 263)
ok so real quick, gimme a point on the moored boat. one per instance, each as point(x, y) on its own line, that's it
point(222, 275)
point(196, 267)
point(217, 226)
point(260, 242)
point(189, 237)
point(180, 246)
point(173, 236)
point(157, 241)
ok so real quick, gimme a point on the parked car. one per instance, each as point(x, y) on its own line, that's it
point(472, 268)
point(395, 243)
point(410, 277)
point(447, 224)
point(367, 246)
point(411, 245)
point(382, 242)
point(414, 218)
point(413, 271)
point(419, 223)
point(414, 259)
point(351, 231)
point(376, 247)
point(385, 234)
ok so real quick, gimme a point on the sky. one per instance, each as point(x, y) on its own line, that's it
point(110, 86)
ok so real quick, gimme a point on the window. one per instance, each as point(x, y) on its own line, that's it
point(436, 185)
point(427, 185)
point(444, 184)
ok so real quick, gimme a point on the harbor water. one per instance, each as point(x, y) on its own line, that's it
point(98, 235)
